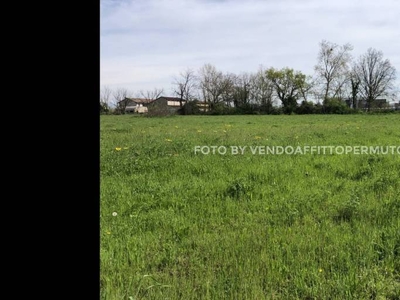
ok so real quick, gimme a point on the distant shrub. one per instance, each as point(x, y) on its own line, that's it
point(221, 109)
point(104, 109)
point(335, 106)
point(159, 111)
point(276, 110)
point(266, 108)
point(306, 107)
point(190, 108)
point(246, 109)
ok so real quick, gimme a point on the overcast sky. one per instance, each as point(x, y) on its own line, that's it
point(144, 44)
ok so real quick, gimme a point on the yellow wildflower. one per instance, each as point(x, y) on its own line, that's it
point(118, 148)
point(168, 140)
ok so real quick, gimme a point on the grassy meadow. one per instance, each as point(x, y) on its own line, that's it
point(175, 224)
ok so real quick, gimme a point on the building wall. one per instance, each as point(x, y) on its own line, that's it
point(162, 104)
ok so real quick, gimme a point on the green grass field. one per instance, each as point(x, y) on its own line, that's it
point(176, 224)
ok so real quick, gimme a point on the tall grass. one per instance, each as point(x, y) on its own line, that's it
point(180, 225)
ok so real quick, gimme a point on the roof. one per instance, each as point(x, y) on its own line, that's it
point(170, 98)
point(137, 100)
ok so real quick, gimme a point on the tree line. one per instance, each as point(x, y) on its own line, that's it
point(338, 78)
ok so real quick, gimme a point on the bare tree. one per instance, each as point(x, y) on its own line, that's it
point(332, 68)
point(376, 76)
point(120, 99)
point(354, 87)
point(211, 84)
point(152, 95)
point(105, 96)
point(185, 85)
point(262, 89)
point(242, 87)
point(228, 87)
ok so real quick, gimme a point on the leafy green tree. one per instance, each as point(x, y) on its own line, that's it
point(287, 85)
